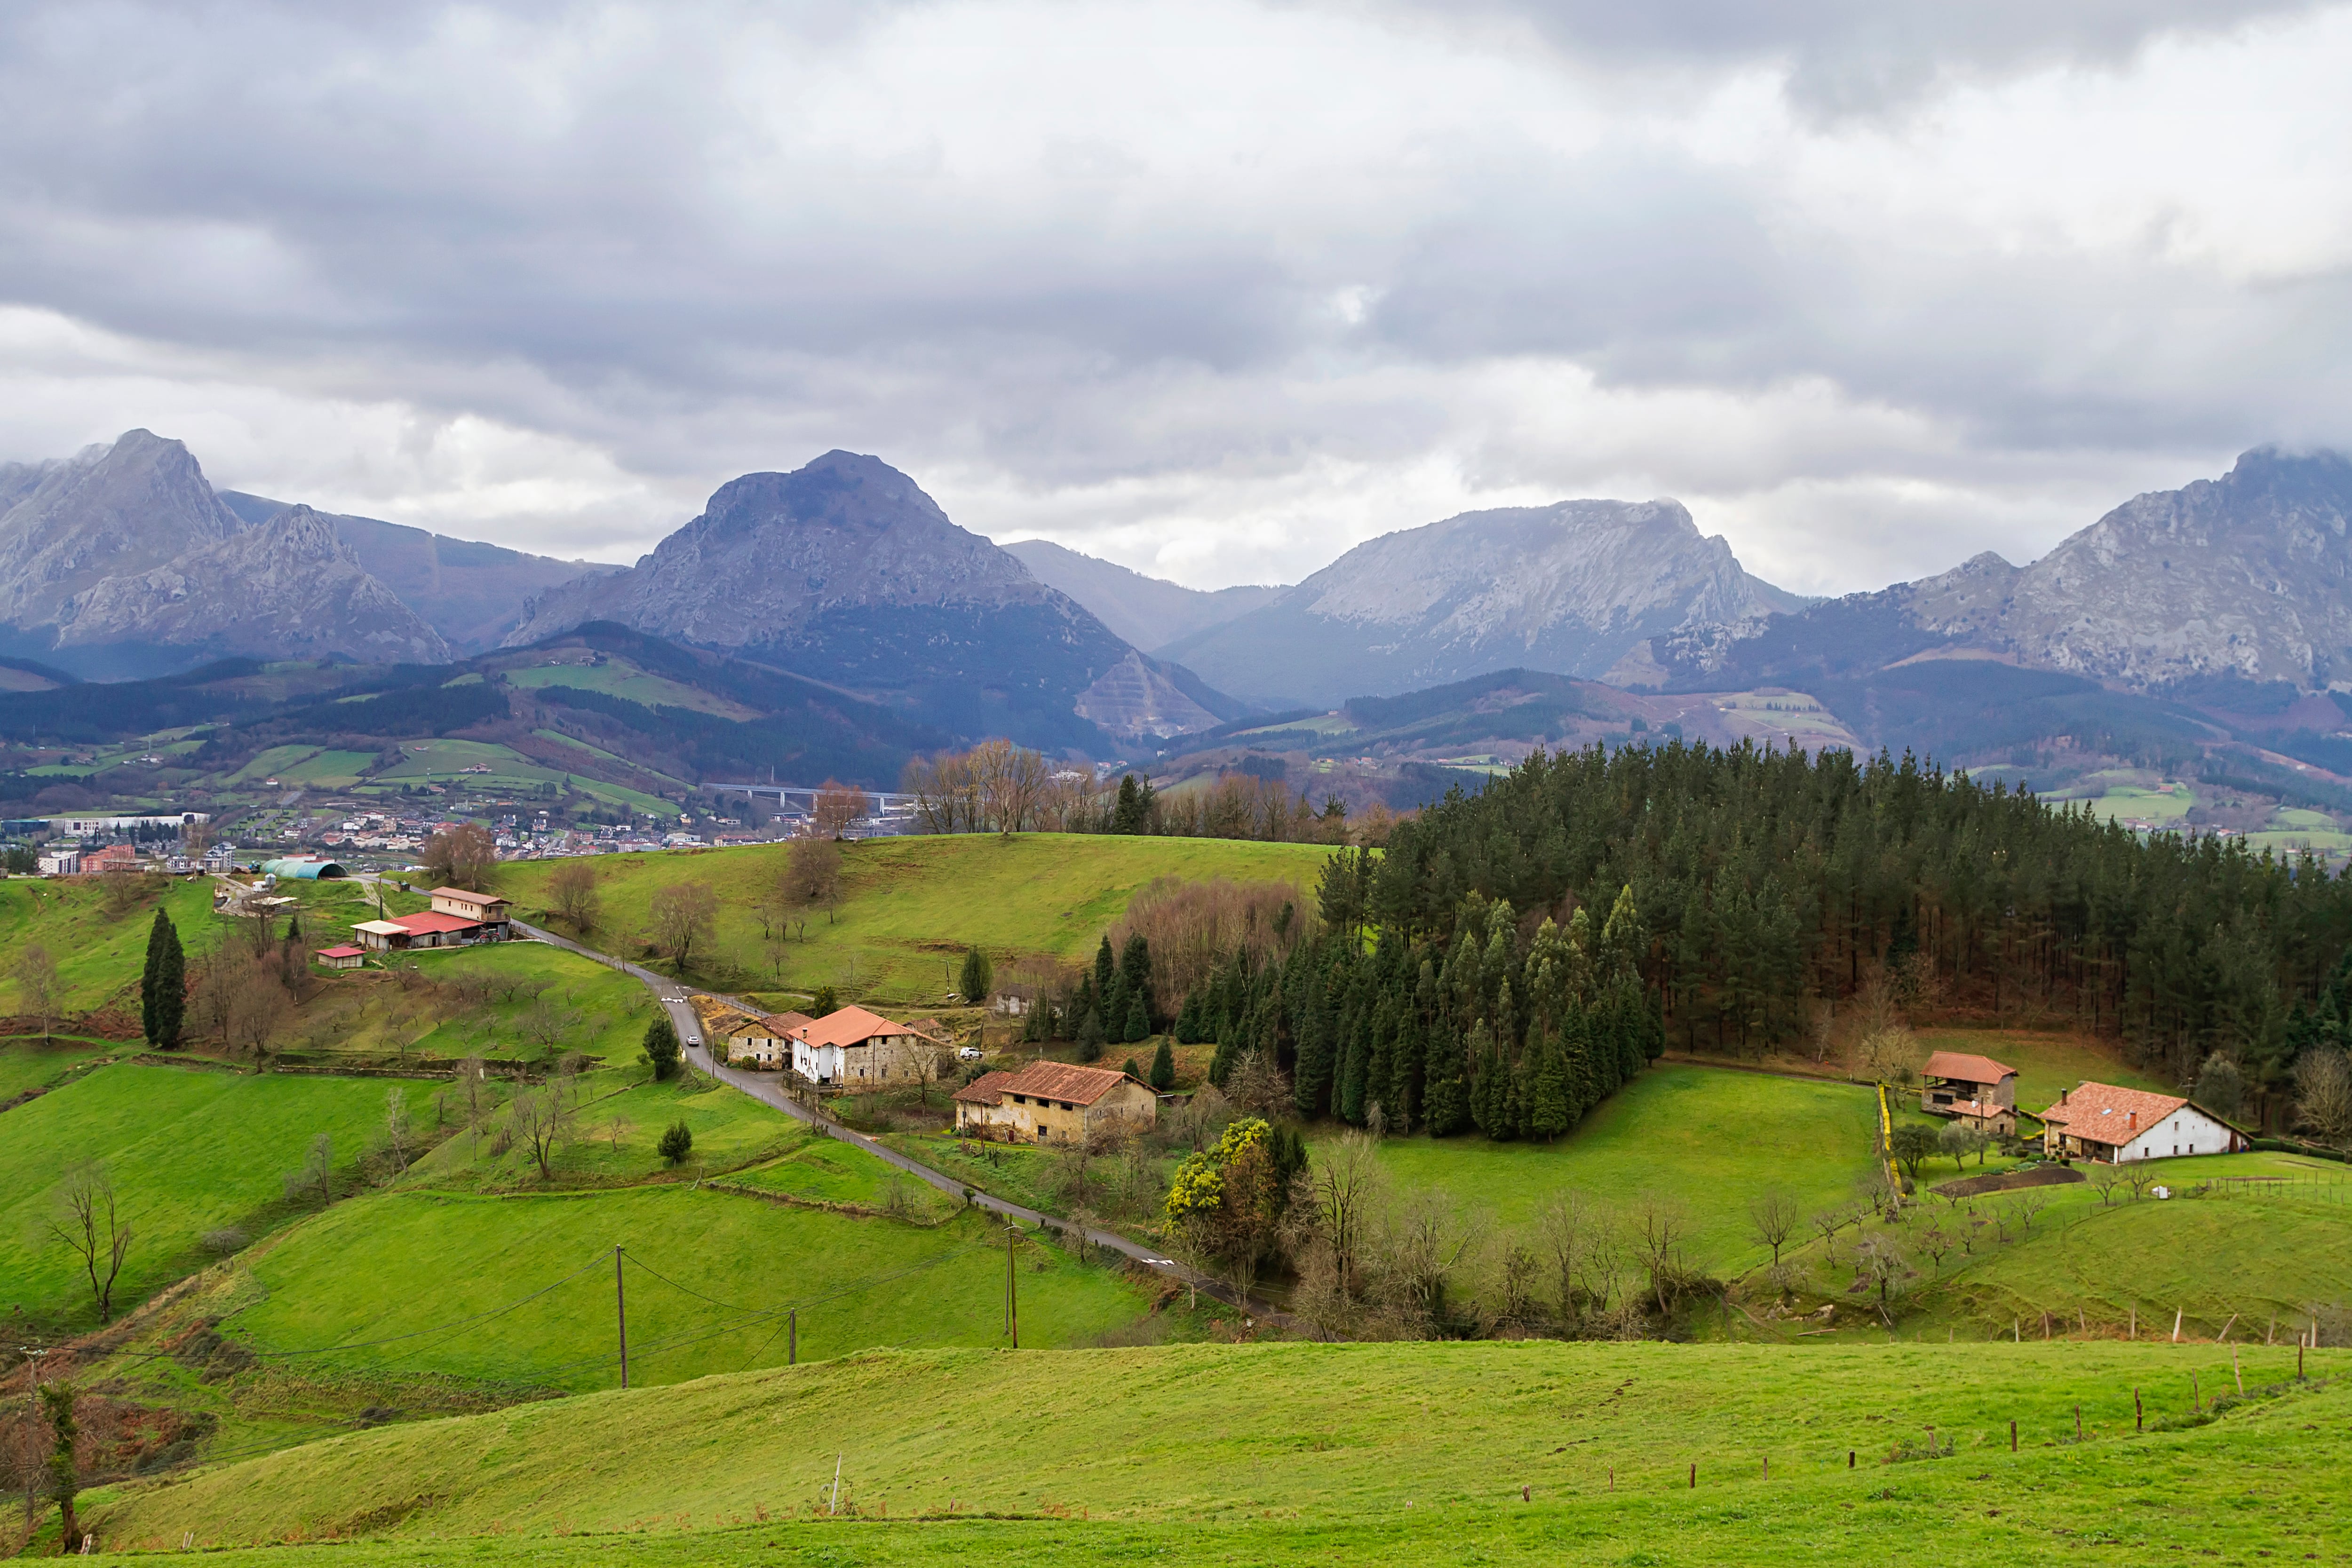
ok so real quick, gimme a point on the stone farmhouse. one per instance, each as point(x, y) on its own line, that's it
point(2116, 1126)
point(759, 1039)
point(1053, 1102)
point(1975, 1090)
point(855, 1050)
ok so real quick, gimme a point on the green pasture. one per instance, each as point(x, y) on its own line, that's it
point(911, 906)
point(604, 1012)
point(1397, 1453)
point(619, 678)
point(1706, 1141)
point(435, 1265)
point(189, 1150)
point(28, 1061)
point(825, 1170)
point(98, 957)
point(731, 1130)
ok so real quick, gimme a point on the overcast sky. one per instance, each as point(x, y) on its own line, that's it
point(1214, 289)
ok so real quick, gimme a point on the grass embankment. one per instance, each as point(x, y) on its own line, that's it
point(1403, 1446)
point(1705, 1140)
point(100, 956)
point(189, 1150)
point(910, 907)
point(710, 1275)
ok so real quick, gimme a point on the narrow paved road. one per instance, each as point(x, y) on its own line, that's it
point(764, 1087)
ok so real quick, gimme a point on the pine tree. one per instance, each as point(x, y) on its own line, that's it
point(1090, 1036)
point(1221, 1065)
point(1549, 1114)
point(1163, 1066)
point(1106, 966)
point(1130, 1069)
point(1139, 1021)
point(1135, 974)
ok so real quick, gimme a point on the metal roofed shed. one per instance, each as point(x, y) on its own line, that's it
point(304, 868)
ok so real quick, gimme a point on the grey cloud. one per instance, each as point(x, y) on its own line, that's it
point(1863, 56)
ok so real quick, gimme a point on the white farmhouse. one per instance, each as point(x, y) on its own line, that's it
point(2116, 1126)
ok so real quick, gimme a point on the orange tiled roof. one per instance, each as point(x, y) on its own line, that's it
point(984, 1089)
point(2105, 1113)
point(848, 1026)
point(1061, 1081)
point(1967, 1069)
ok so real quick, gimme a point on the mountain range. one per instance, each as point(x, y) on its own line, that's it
point(2226, 603)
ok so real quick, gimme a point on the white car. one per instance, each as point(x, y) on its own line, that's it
point(967, 1053)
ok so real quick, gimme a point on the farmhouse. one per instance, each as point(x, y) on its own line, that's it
point(762, 1039)
point(457, 918)
point(1976, 1089)
point(2116, 1126)
point(858, 1050)
point(1052, 1102)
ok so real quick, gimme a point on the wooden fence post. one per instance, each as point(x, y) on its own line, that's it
point(2140, 1413)
point(2012, 1436)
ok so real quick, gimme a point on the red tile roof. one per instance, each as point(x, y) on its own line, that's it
point(848, 1026)
point(2107, 1114)
point(1061, 1081)
point(984, 1089)
point(1967, 1069)
point(430, 921)
point(346, 950)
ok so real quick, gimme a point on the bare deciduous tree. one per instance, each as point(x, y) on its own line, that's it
point(572, 895)
point(35, 973)
point(1660, 1229)
point(2323, 1094)
point(541, 1119)
point(399, 1139)
point(88, 1222)
point(837, 809)
point(1827, 1222)
point(1566, 1226)
point(1774, 1217)
point(683, 914)
point(461, 857)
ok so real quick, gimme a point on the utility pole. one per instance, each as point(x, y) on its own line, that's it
point(1012, 1293)
point(621, 1313)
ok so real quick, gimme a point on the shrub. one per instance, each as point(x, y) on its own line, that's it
point(677, 1141)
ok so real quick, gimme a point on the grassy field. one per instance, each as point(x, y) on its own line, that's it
point(619, 678)
point(1707, 1139)
point(600, 1011)
point(911, 906)
point(31, 1062)
point(1419, 1449)
point(436, 1266)
point(189, 1150)
point(731, 1130)
point(2046, 1061)
point(98, 957)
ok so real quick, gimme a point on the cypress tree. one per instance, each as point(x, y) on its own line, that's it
point(1106, 967)
point(1163, 1066)
point(162, 987)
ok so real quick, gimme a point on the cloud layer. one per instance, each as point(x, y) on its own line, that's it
point(1216, 290)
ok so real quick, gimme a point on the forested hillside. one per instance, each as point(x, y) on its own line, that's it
point(1767, 882)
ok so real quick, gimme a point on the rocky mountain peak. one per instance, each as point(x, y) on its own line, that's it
point(108, 510)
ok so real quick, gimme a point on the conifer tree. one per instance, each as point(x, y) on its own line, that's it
point(1221, 1065)
point(1163, 1066)
point(162, 988)
point(1135, 974)
point(1090, 1036)
point(1549, 1109)
point(1446, 1093)
point(1139, 1020)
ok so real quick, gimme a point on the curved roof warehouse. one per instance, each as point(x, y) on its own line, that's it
point(303, 868)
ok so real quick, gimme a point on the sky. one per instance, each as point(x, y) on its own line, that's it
point(1213, 289)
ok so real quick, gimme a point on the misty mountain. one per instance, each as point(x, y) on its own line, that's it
point(471, 593)
point(1571, 589)
point(1150, 611)
point(122, 560)
point(846, 571)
